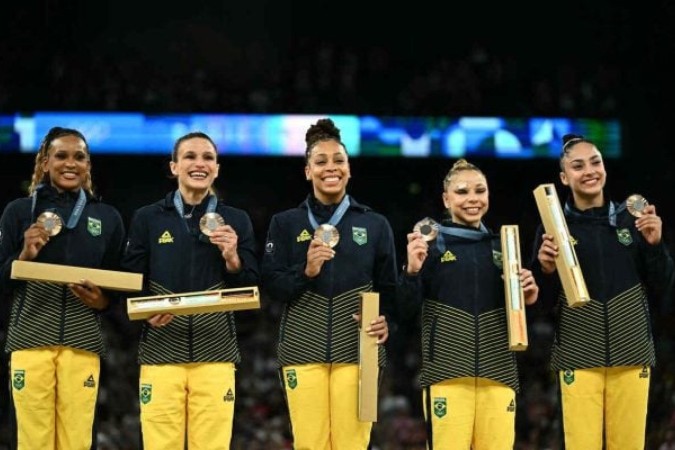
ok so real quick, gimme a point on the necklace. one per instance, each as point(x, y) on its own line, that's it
point(189, 215)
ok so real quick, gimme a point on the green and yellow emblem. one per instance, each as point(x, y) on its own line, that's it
point(291, 378)
point(360, 235)
point(94, 226)
point(19, 379)
point(146, 393)
point(497, 258)
point(568, 376)
point(624, 236)
point(440, 407)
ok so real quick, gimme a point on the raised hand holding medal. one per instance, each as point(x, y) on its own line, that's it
point(326, 238)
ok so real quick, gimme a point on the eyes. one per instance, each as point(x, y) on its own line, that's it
point(62, 155)
point(579, 165)
point(322, 161)
point(205, 156)
point(465, 191)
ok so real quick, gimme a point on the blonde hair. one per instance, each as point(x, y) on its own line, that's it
point(41, 177)
point(459, 166)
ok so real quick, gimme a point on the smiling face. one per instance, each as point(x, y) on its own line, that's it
point(584, 173)
point(195, 166)
point(67, 163)
point(328, 170)
point(466, 197)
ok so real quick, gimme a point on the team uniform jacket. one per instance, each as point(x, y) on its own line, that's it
point(317, 324)
point(174, 259)
point(464, 330)
point(45, 314)
point(622, 271)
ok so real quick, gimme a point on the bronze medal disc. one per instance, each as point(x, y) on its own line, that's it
point(209, 222)
point(51, 221)
point(635, 204)
point(328, 234)
point(428, 228)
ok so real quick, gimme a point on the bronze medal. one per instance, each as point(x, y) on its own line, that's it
point(635, 204)
point(428, 228)
point(51, 221)
point(209, 222)
point(328, 234)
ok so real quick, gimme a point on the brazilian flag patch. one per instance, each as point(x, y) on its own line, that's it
point(291, 379)
point(360, 235)
point(94, 226)
point(440, 407)
point(624, 236)
point(568, 376)
point(497, 259)
point(19, 379)
point(146, 393)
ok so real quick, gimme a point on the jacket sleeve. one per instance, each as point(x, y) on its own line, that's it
point(249, 275)
point(113, 253)
point(11, 243)
point(549, 284)
point(282, 279)
point(135, 257)
point(409, 295)
point(384, 272)
point(655, 265)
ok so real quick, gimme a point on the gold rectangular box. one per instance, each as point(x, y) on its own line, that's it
point(368, 358)
point(513, 290)
point(235, 299)
point(58, 273)
point(566, 262)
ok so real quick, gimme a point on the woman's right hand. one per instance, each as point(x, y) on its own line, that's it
point(318, 253)
point(159, 320)
point(34, 238)
point(417, 250)
point(547, 254)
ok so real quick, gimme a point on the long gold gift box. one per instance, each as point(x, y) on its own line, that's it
point(513, 290)
point(566, 263)
point(58, 273)
point(368, 358)
point(234, 299)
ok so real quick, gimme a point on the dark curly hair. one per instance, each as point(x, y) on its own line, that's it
point(322, 130)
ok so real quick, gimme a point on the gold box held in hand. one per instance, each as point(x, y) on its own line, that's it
point(513, 290)
point(235, 299)
point(368, 358)
point(58, 273)
point(566, 262)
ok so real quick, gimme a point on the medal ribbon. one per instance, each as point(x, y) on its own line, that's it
point(335, 218)
point(180, 208)
point(474, 235)
point(613, 212)
point(74, 215)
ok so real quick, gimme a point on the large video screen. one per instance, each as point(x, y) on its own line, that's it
point(284, 134)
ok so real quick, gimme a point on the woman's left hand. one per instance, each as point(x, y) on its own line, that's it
point(90, 294)
point(650, 225)
point(377, 327)
point(226, 239)
point(530, 287)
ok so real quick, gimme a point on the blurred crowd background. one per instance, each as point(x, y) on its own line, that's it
point(564, 59)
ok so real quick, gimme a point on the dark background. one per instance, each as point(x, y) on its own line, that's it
point(576, 59)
